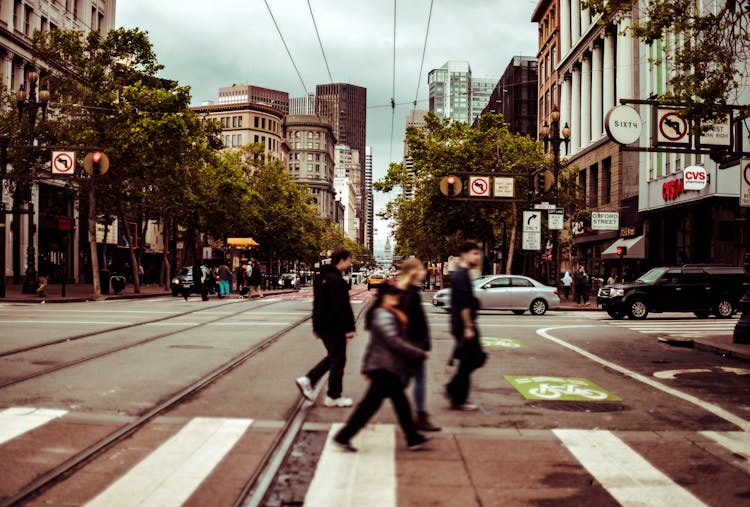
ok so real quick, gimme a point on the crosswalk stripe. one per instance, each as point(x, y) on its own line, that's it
point(629, 478)
point(16, 421)
point(169, 475)
point(736, 441)
point(365, 478)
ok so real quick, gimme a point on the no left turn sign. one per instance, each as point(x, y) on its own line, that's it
point(673, 128)
point(63, 162)
point(479, 186)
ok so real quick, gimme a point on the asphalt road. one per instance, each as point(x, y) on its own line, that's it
point(575, 409)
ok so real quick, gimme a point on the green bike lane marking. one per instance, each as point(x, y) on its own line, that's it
point(540, 387)
point(509, 343)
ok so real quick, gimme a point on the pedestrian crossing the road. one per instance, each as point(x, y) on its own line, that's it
point(689, 328)
point(498, 465)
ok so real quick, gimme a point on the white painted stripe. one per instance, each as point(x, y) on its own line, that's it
point(709, 407)
point(16, 421)
point(629, 478)
point(168, 476)
point(736, 441)
point(57, 322)
point(366, 478)
point(237, 323)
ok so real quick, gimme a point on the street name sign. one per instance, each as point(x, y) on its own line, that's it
point(555, 220)
point(623, 124)
point(605, 221)
point(717, 133)
point(544, 205)
point(479, 186)
point(745, 182)
point(531, 240)
point(504, 186)
point(532, 221)
point(63, 162)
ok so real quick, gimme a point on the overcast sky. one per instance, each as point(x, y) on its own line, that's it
point(208, 44)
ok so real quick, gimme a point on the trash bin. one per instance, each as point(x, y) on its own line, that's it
point(118, 283)
point(104, 280)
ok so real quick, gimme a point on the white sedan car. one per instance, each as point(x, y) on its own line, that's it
point(508, 292)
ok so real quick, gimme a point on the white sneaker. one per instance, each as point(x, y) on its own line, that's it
point(338, 402)
point(305, 387)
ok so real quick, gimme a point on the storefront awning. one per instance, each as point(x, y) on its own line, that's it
point(242, 242)
point(636, 248)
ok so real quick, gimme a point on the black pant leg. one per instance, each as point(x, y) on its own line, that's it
point(319, 370)
point(459, 386)
point(336, 346)
point(366, 408)
point(395, 391)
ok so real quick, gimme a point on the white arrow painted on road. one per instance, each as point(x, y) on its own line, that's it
point(736, 371)
point(670, 374)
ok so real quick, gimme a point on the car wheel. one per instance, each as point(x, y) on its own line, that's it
point(175, 292)
point(724, 308)
point(519, 312)
point(617, 315)
point(538, 307)
point(702, 314)
point(637, 309)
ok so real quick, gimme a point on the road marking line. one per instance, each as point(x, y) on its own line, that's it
point(736, 441)
point(627, 476)
point(710, 407)
point(15, 421)
point(78, 322)
point(170, 474)
point(365, 478)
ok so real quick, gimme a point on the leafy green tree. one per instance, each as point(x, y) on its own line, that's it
point(706, 45)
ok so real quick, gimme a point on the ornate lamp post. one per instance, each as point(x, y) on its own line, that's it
point(32, 107)
point(551, 136)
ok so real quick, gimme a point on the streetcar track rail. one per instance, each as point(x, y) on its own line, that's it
point(121, 327)
point(69, 466)
point(97, 355)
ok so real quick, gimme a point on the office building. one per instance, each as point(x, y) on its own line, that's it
point(481, 90)
point(449, 91)
point(415, 119)
point(302, 105)
point(251, 94)
point(346, 194)
point(369, 201)
point(515, 96)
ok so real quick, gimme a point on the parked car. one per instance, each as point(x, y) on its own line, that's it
point(508, 292)
point(185, 279)
point(375, 279)
point(703, 289)
point(289, 281)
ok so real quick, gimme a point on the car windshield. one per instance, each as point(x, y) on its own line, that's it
point(651, 275)
point(185, 271)
point(481, 281)
point(288, 277)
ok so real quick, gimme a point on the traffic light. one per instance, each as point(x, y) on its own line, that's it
point(539, 183)
point(543, 182)
point(450, 186)
point(96, 163)
point(622, 251)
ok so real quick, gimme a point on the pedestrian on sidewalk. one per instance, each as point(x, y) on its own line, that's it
point(333, 323)
point(225, 278)
point(413, 274)
point(43, 277)
point(567, 281)
point(579, 281)
point(255, 279)
point(464, 328)
point(384, 364)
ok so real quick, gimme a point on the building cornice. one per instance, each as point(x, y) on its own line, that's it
point(237, 108)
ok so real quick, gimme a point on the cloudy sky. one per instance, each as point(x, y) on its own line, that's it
point(208, 44)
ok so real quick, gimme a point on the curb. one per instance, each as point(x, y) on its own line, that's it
point(83, 299)
point(706, 346)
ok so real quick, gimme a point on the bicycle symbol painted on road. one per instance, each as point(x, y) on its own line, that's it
point(509, 343)
point(560, 388)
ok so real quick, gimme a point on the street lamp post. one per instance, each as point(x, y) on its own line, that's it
point(32, 106)
point(551, 137)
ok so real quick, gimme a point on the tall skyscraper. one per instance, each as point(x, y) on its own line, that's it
point(302, 105)
point(369, 201)
point(414, 119)
point(345, 107)
point(455, 95)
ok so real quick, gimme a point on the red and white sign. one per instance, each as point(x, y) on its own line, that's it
point(695, 178)
point(479, 186)
point(672, 128)
point(63, 162)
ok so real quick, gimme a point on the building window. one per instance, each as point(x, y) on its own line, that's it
point(263, 123)
point(255, 121)
point(239, 139)
point(27, 21)
point(44, 24)
point(582, 182)
point(606, 180)
point(255, 139)
point(594, 193)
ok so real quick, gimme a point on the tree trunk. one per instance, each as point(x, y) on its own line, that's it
point(142, 244)
point(513, 232)
point(131, 250)
point(166, 269)
point(92, 240)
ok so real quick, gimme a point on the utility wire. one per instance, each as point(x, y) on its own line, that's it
point(393, 90)
point(287, 48)
point(319, 41)
point(421, 65)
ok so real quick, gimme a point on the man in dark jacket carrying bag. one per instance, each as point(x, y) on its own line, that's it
point(333, 322)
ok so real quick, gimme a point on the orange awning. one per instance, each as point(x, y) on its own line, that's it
point(242, 242)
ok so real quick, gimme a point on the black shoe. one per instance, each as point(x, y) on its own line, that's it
point(344, 446)
point(419, 442)
point(423, 423)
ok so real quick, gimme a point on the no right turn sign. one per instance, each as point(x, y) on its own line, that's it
point(745, 182)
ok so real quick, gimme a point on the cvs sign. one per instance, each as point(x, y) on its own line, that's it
point(695, 178)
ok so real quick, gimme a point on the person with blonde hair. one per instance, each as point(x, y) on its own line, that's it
point(413, 273)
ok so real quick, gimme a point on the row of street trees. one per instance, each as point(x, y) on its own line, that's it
point(432, 226)
point(166, 162)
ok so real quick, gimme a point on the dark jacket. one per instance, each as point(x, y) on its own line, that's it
point(388, 348)
point(224, 272)
point(462, 297)
point(579, 279)
point(255, 276)
point(332, 312)
point(417, 331)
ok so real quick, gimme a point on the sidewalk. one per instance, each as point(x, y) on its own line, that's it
point(78, 293)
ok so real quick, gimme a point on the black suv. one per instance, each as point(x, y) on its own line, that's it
point(699, 288)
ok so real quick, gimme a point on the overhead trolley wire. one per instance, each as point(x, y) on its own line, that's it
point(424, 51)
point(319, 41)
point(393, 89)
point(287, 48)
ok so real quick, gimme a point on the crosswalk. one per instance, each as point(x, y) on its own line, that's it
point(689, 328)
point(622, 464)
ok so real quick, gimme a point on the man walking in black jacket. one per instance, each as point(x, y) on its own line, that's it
point(333, 322)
